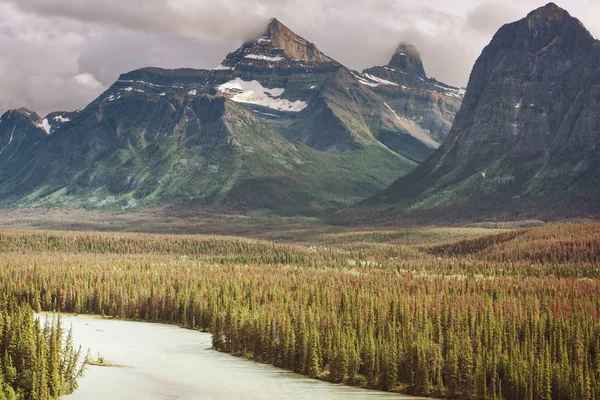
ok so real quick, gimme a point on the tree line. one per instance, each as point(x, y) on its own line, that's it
point(483, 319)
point(38, 360)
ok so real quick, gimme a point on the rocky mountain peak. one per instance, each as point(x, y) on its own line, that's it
point(408, 58)
point(549, 11)
point(543, 27)
point(22, 113)
point(277, 44)
point(293, 46)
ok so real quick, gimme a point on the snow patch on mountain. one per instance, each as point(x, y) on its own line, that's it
point(45, 125)
point(264, 58)
point(61, 119)
point(453, 91)
point(252, 92)
point(392, 110)
point(372, 80)
point(222, 67)
point(140, 82)
point(380, 80)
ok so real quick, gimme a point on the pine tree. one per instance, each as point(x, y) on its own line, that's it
point(465, 368)
point(314, 355)
point(451, 367)
point(301, 345)
point(369, 361)
point(547, 378)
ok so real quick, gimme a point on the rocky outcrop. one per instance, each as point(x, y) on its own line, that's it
point(278, 43)
point(529, 126)
point(407, 58)
point(428, 107)
point(19, 131)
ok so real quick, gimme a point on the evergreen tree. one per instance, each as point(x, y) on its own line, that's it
point(314, 354)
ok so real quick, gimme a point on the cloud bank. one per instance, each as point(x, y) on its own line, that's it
point(61, 54)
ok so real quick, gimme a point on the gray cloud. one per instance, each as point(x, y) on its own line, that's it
point(61, 54)
point(488, 17)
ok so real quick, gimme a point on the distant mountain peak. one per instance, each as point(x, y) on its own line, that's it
point(549, 11)
point(278, 43)
point(24, 112)
point(274, 23)
point(548, 23)
point(408, 58)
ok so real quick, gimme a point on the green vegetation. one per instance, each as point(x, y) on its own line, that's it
point(219, 155)
point(508, 315)
point(101, 362)
point(37, 360)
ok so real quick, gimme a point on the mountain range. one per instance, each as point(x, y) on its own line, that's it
point(526, 142)
point(281, 126)
point(278, 125)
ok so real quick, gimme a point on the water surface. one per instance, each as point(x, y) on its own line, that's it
point(167, 362)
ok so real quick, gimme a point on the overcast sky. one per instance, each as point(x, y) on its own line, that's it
point(61, 54)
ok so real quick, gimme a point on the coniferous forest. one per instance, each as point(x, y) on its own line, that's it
point(39, 360)
point(509, 315)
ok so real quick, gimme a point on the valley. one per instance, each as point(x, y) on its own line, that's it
point(284, 226)
point(439, 312)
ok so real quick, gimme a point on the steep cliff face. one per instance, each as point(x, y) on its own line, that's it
point(529, 126)
point(425, 106)
point(277, 43)
point(408, 59)
point(20, 130)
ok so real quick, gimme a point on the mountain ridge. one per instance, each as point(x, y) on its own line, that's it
point(276, 116)
point(526, 130)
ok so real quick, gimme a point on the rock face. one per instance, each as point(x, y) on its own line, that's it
point(277, 43)
point(277, 125)
point(528, 130)
point(408, 59)
point(150, 149)
point(19, 130)
point(425, 106)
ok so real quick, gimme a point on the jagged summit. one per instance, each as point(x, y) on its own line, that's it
point(543, 27)
point(549, 11)
point(293, 46)
point(408, 58)
point(277, 44)
point(22, 111)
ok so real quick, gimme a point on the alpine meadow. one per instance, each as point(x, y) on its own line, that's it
point(284, 226)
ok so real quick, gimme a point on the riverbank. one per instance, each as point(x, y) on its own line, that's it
point(165, 361)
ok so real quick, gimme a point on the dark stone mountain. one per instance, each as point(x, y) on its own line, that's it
point(526, 141)
point(19, 130)
point(278, 125)
point(426, 107)
point(407, 58)
point(302, 93)
point(152, 149)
